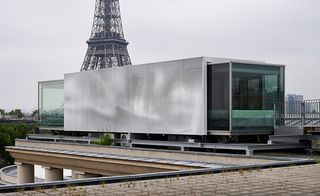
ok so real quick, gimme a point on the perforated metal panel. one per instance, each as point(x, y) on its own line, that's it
point(158, 98)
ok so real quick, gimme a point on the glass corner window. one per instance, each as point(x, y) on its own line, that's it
point(255, 91)
point(51, 104)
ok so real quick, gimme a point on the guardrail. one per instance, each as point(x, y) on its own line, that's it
point(6, 121)
point(57, 138)
point(299, 113)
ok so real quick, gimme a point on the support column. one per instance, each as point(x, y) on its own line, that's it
point(249, 152)
point(85, 175)
point(74, 175)
point(53, 174)
point(25, 173)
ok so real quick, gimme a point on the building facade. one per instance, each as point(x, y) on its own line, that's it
point(293, 103)
point(198, 96)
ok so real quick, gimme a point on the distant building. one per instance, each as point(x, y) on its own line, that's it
point(30, 118)
point(293, 104)
point(8, 117)
point(294, 97)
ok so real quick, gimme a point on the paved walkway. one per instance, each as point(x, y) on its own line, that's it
point(297, 180)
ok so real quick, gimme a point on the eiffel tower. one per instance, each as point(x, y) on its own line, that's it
point(106, 46)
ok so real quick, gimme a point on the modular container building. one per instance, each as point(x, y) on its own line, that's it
point(197, 96)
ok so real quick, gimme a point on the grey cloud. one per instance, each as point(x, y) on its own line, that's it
point(43, 39)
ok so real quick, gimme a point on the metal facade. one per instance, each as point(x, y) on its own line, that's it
point(158, 98)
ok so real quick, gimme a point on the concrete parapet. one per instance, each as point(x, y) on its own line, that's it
point(5, 175)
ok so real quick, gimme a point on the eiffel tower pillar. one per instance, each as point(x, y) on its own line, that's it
point(106, 46)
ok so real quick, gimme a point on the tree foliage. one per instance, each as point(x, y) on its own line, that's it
point(8, 134)
point(105, 139)
point(35, 113)
point(16, 112)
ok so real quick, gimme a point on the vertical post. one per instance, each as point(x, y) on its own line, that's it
point(129, 140)
point(249, 152)
point(205, 97)
point(303, 113)
point(318, 102)
point(39, 94)
point(182, 149)
point(25, 173)
point(313, 111)
point(274, 117)
point(230, 97)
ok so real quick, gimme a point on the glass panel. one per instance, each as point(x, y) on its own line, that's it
point(255, 91)
point(51, 103)
point(252, 119)
point(218, 97)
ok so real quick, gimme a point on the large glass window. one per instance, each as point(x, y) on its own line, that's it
point(255, 91)
point(218, 97)
point(51, 100)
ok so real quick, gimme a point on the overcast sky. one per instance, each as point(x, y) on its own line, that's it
point(43, 39)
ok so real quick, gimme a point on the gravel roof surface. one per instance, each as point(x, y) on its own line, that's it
point(295, 180)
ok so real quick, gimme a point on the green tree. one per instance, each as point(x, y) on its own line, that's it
point(16, 112)
point(8, 134)
point(35, 113)
point(2, 111)
point(105, 139)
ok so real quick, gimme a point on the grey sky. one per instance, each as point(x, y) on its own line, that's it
point(43, 39)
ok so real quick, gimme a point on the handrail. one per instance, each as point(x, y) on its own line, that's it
point(299, 113)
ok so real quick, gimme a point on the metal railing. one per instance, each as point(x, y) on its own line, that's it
point(299, 113)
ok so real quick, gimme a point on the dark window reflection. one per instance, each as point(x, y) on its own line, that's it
point(255, 91)
point(218, 97)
